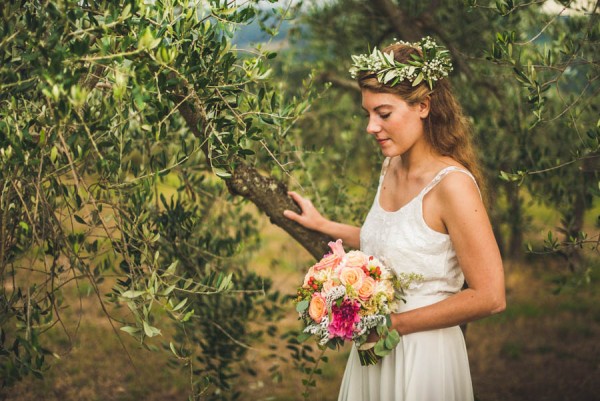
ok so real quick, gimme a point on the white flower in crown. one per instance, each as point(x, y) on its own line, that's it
point(432, 66)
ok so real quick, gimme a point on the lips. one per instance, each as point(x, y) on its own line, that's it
point(381, 141)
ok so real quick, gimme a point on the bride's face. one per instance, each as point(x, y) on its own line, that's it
point(396, 125)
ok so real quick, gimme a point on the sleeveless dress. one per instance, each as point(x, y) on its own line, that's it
point(425, 366)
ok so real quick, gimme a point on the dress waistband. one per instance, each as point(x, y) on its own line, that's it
point(418, 301)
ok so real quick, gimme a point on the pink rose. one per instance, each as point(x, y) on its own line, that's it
point(317, 308)
point(329, 261)
point(352, 276)
point(356, 259)
point(367, 289)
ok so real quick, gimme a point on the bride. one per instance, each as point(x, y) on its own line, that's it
point(427, 217)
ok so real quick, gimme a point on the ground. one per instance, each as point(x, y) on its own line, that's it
point(543, 347)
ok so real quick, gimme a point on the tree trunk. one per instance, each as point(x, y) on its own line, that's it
point(404, 26)
point(496, 220)
point(515, 246)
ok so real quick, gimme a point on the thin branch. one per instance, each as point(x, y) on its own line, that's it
point(339, 82)
point(543, 29)
point(562, 165)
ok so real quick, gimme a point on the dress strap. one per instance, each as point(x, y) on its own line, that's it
point(444, 172)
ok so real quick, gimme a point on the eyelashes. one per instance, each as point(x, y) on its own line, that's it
point(382, 116)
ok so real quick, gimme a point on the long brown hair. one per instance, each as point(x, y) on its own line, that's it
point(446, 128)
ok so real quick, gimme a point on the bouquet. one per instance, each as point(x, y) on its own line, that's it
point(346, 295)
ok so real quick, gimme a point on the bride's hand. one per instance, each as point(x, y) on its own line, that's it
point(310, 217)
point(373, 336)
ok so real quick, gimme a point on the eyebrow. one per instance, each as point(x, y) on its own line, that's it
point(378, 107)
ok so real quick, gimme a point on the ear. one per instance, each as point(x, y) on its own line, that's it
point(424, 108)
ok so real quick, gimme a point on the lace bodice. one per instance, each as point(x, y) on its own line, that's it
point(403, 241)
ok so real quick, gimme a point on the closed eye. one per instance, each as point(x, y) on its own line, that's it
point(384, 116)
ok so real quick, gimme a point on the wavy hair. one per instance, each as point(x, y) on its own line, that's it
point(447, 129)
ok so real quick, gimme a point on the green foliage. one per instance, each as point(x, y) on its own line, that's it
point(304, 361)
point(115, 118)
point(552, 57)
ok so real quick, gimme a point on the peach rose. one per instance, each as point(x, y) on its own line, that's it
point(352, 276)
point(356, 259)
point(367, 289)
point(317, 308)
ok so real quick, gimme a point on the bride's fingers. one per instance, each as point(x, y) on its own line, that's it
point(296, 197)
point(303, 203)
point(291, 215)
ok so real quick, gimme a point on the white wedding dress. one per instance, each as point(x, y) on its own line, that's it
point(425, 366)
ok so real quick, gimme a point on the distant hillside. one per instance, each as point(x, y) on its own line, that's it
point(249, 35)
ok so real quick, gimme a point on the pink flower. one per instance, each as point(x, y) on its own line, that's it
point(332, 259)
point(329, 261)
point(337, 248)
point(344, 319)
point(317, 308)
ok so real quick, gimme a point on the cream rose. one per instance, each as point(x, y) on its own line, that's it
point(356, 259)
point(385, 287)
point(328, 285)
point(317, 308)
point(367, 288)
point(352, 276)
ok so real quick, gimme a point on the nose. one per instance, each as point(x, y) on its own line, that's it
point(373, 127)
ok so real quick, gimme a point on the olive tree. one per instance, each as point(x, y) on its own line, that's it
point(126, 128)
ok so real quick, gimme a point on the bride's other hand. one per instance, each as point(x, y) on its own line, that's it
point(310, 217)
point(373, 337)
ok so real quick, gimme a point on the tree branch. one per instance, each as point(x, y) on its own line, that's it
point(270, 196)
point(339, 82)
point(267, 193)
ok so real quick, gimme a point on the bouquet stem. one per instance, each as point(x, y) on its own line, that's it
point(367, 355)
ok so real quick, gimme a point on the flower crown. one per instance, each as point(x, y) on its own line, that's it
point(434, 65)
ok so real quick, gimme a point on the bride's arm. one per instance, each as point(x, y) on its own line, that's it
point(313, 220)
point(464, 216)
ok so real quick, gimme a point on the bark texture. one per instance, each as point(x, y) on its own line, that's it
point(270, 196)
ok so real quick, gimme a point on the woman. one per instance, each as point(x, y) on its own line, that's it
point(427, 217)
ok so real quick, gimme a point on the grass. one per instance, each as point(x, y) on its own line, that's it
point(543, 347)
